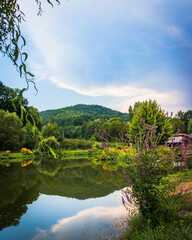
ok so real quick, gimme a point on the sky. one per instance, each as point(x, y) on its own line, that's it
point(107, 52)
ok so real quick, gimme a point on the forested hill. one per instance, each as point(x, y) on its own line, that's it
point(79, 121)
point(83, 109)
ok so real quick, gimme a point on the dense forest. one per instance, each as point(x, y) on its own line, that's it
point(78, 126)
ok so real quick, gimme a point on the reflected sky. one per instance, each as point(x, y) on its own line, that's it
point(55, 217)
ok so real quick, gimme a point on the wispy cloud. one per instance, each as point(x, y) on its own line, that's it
point(108, 48)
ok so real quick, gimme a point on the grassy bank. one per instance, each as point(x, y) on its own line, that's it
point(178, 223)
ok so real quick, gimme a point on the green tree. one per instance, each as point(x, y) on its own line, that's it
point(185, 117)
point(6, 99)
point(190, 126)
point(34, 113)
point(11, 132)
point(178, 124)
point(51, 130)
point(132, 110)
point(149, 113)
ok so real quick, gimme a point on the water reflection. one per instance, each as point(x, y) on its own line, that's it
point(83, 180)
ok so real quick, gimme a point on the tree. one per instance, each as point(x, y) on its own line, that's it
point(149, 113)
point(190, 126)
point(11, 38)
point(11, 132)
point(185, 117)
point(132, 110)
point(51, 130)
point(6, 99)
point(9, 101)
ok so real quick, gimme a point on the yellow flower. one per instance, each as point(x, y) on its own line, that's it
point(104, 167)
point(8, 151)
point(8, 165)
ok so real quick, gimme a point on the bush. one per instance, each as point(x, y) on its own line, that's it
point(47, 143)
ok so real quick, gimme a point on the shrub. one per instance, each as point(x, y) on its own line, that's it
point(47, 143)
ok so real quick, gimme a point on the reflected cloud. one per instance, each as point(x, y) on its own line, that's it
point(92, 223)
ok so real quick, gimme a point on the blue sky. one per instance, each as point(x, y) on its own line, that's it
point(107, 52)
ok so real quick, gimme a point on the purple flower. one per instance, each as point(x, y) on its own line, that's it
point(93, 150)
point(173, 124)
point(160, 175)
point(138, 138)
point(138, 155)
point(119, 134)
point(127, 134)
point(124, 172)
point(171, 114)
point(150, 171)
point(143, 122)
point(129, 181)
point(159, 134)
point(133, 192)
point(152, 150)
point(181, 188)
point(95, 129)
point(143, 167)
point(178, 130)
point(125, 176)
point(137, 202)
point(123, 201)
point(125, 124)
point(104, 132)
point(127, 197)
point(143, 171)
point(144, 201)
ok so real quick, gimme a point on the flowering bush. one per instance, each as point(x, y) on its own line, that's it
point(147, 166)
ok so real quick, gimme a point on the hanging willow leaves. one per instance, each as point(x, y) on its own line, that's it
point(11, 45)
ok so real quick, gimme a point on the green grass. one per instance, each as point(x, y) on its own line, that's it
point(177, 224)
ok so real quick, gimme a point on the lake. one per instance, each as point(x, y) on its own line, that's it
point(52, 199)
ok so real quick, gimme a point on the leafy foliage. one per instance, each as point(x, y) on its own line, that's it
point(11, 39)
point(149, 113)
point(11, 132)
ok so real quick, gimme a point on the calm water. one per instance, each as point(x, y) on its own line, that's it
point(69, 200)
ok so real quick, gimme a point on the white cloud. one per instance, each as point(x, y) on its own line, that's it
point(73, 43)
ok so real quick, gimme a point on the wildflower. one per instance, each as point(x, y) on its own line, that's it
point(95, 129)
point(160, 175)
point(127, 134)
point(119, 134)
point(104, 167)
point(125, 124)
point(127, 197)
point(143, 171)
point(173, 124)
point(129, 181)
point(104, 132)
point(8, 151)
point(178, 130)
point(93, 150)
point(143, 122)
point(150, 171)
point(138, 138)
point(137, 203)
point(138, 155)
point(144, 201)
point(159, 134)
point(133, 192)
point(125, 176)
point(143, 167)
point(152, 150)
